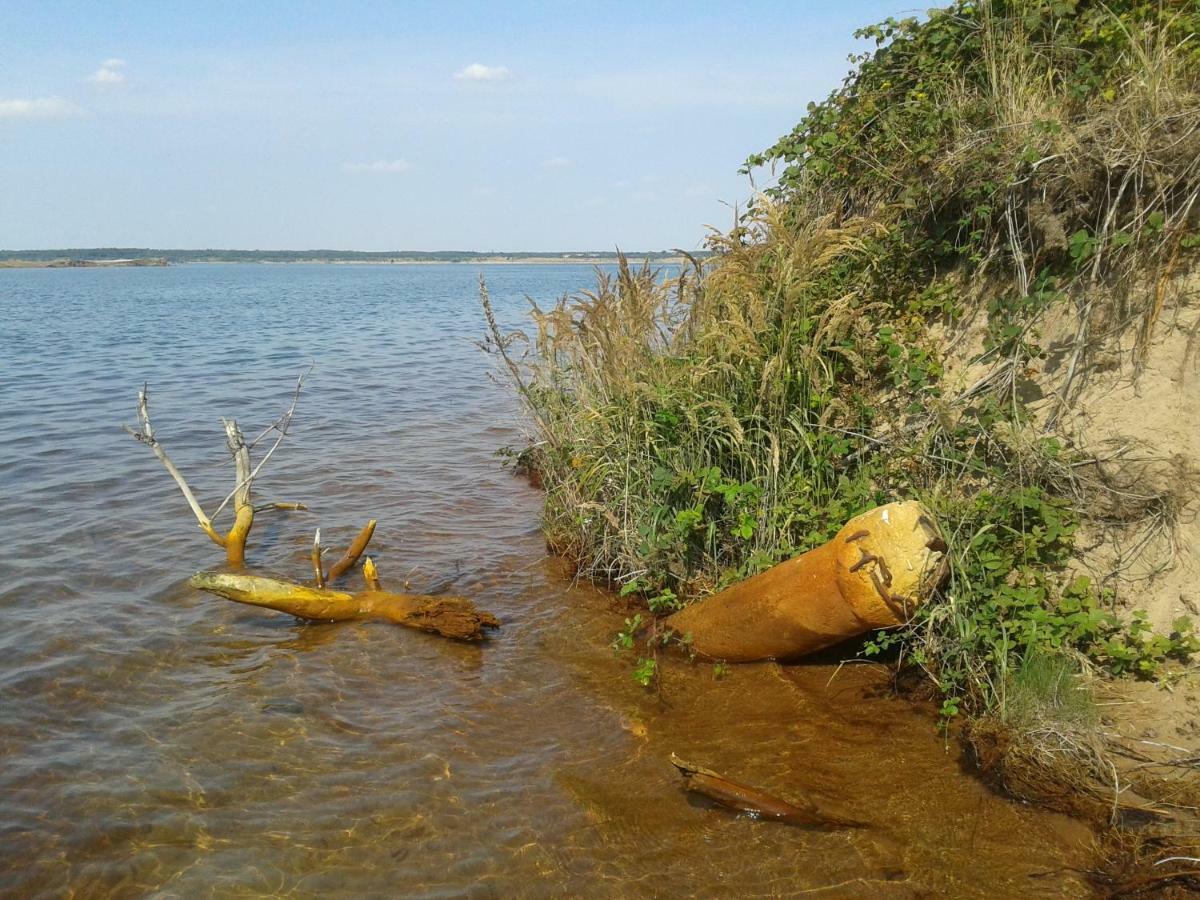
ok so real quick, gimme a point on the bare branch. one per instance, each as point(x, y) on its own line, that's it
point(241, 460)
point(281, 425)
point(284, 420)
point(146, 436)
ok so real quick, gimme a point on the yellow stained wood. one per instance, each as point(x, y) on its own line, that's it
point(877, 569)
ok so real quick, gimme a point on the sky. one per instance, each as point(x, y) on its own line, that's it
point(512, 126)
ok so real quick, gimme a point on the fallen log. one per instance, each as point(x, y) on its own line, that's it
point(452, 617)
point(744, 798)
point(873, 574)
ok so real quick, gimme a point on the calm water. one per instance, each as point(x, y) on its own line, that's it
point(159, 742)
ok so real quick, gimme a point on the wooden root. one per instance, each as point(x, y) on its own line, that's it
point(736, 795)
point(452, 617)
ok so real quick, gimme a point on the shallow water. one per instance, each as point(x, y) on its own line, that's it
point(157, 741)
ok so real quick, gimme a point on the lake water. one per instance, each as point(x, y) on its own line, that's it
point(155, 741)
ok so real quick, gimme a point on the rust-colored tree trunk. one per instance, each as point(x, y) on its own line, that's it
point(877, 569)
point(453, 617)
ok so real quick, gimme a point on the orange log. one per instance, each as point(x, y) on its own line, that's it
point(873, 574)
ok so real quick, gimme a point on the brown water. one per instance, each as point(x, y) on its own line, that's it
point(159, 742)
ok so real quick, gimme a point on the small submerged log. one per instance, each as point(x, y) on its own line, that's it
point(745, 798)
point(452, 617)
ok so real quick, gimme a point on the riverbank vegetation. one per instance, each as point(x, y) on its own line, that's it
point(999, 201)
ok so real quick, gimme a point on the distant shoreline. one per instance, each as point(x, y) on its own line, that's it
point(485, 261)
point(139, 262)
point(111, 257)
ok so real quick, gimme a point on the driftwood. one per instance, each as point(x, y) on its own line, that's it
point(736, 795)
point(452, 617)
point(873, 574)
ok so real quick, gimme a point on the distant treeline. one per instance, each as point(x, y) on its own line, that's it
point(285, 256)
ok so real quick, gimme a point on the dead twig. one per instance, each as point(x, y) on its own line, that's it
point(281, 425)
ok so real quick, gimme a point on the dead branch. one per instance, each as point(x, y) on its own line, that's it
point(146, 436)
point(736, 795)
point(452, 617)
point(318, 575)
point(281, 425)
point(353, 552)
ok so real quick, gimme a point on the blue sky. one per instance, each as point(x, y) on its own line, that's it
point(357, 125)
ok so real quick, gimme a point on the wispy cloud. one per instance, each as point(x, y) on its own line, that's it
point(38, 108)
point(380, 166)
point(111, 71)
point(556, 162)
point(480, 72)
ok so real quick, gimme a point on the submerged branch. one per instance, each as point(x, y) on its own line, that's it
point(743, 797)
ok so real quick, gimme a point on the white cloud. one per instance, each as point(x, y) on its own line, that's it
point(698, 190)
point(109, 72)
point(38, 108)
point(556, 162)
point(480, 72)
point(380, 166)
